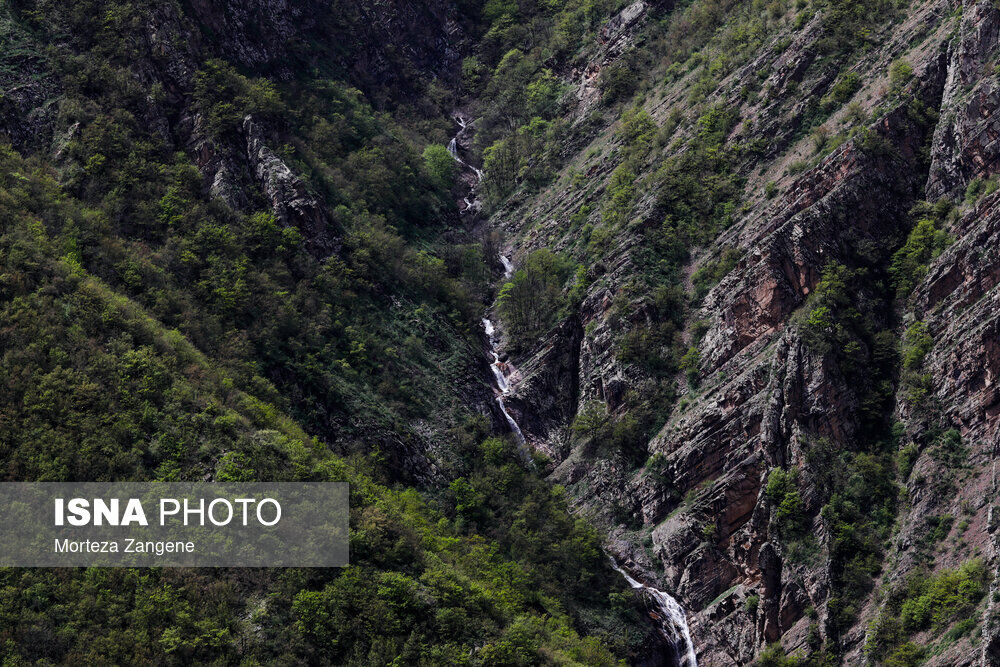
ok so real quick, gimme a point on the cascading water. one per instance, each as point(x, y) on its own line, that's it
point(508, 266)
point(673, 620)
point(453, 147)
point(497, 366)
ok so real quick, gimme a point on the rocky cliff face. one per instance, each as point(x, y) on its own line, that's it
point(698, 520)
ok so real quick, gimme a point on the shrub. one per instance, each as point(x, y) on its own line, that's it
point(637, 127)
point(782, 490)
point(917, 342)
point(689, 364)
point(711, 272)
point(906, 459)
point(225, 96)
point(775, 656)
point(900, 72)
point(926, 602)
point(844, 89)
point(619, 196)
point(617, 81)
point(938, 600)
point(441, 167)
point(907, 655)
point(909, 264)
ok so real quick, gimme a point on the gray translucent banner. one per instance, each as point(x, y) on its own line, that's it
point(187, 524)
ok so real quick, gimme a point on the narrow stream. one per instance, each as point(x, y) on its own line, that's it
point(453, 147)
point(498, 367)
point(673, 620)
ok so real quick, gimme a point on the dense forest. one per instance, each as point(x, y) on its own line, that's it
point(741, 260)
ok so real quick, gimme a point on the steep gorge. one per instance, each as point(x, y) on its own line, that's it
point(763, 365)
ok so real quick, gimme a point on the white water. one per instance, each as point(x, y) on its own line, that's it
point(508, 266)
point(503, 385)
point(673, 621)
point(453, 149)
point(496, 366)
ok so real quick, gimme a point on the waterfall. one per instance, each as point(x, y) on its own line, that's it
point(501, 381)
point(508, 266)
point(453, 150)
point(497, 366)
point(673, 620)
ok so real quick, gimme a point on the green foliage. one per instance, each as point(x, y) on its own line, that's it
point(831, 320)
point(619, 197)
point(151, 332)
point(859, 515)
point(842, 90)
point(637, 129)
point(848, 24)
point(697, 191)
point(774, 656)
point(690, 363)
point(533, 298)
point(900, 73)
point(925, 602)
point(909, 265)
point(782, 490)
point(592, 421)
point(907, 655)
point(917, 343)
point(906, 458)
point(832, 323)
point(714, 270)
point(525, 156)
point(225, 97)
point(949, 449)
point(473, 73)
point(979, 188)
point(617, 82)
point(440, 165)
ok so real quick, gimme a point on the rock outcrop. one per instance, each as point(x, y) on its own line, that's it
point(291, 202)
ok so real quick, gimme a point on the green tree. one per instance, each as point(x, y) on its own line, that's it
point(440, 165)
point(530, 302)
point(909, 263)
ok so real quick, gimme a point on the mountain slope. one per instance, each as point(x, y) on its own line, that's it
point(763, 384)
